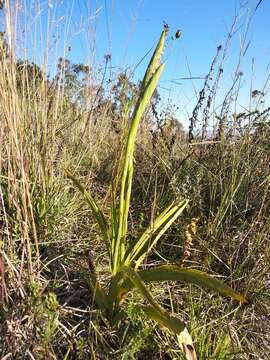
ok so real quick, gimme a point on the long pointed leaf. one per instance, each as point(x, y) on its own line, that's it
point(148, 87)
point(154, 232)
point(99, 295)
point(155, 59)
point(126, 179)
point(155, 311)
point(190, 276)
point(170, 322)
point(97, 212)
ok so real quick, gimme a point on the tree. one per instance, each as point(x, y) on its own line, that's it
point(28, 75)
point(73, 78)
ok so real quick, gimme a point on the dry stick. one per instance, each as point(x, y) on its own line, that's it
point(194, 117)
point(202, 95)
point(244, 47)
point(225, 107)
point(212, 92)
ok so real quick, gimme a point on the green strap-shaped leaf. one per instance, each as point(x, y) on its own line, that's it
point(153, 233)
point(155, 60)
point(126, 179)
point(154, 311)
point(190, 276)
point(126, 204)
point(99, 295)
point(114, 226)
point(170, 322)
point(139, 284)
point(117, 291)
point(97, 212)
point(152, 75)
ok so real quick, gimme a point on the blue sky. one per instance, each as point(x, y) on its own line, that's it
point(128, 29)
